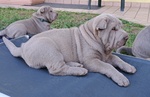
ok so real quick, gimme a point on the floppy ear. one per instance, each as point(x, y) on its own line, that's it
point(102, 24)
point(42, 10)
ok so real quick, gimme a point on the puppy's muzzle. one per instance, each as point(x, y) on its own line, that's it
point(122, 42)
point(125, 39)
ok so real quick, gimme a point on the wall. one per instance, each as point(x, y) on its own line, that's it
point(21, 2)
point(129, 3)
point(71, 1)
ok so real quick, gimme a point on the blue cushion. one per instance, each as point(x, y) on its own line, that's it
point(19, 80)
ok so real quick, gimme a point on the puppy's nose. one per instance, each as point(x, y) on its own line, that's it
point(56, 14)
point(126, 38)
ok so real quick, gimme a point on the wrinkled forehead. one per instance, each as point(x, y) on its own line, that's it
point(49, 8)
point(110, 18)
point(45, 8)
point(114, 20)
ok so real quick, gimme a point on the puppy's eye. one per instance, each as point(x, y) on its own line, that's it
point(51, 11)
point(99, 29)
point(114, 29)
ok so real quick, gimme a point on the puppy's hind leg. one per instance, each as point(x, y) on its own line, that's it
point(61, 68)
point(57, 66)
point(54, 60)
point(74, 64)
point(19, 33)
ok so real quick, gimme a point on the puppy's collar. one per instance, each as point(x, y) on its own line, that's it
point(43, 20)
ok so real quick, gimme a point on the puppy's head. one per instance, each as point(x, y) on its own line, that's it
point(109, 30)
point(46, 12)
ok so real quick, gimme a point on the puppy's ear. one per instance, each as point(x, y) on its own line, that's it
point(102, 24)
point(42, 10)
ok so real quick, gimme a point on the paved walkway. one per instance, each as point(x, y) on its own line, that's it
point(135, 14)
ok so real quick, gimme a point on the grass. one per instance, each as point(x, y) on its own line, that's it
point(64, 20)
point(9, 15)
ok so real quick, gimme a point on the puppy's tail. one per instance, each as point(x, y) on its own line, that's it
point(124, 50)
point(15, 51)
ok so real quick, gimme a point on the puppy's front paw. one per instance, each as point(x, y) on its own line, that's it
point(130, 69)
point(121, 80)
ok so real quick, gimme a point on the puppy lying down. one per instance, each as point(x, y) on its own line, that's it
point(39, 22)
point(77, 50)
point(141, 45)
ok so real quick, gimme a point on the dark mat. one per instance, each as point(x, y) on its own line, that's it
point(19, 80)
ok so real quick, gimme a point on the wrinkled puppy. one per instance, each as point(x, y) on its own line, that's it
point(39, 22)
point(141, 45)
point(75, 51)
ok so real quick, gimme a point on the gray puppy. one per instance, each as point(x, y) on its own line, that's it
point(77, 50)
point(141, 45)
point(39, 22)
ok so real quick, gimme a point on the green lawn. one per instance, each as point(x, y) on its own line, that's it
point(64, 20)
